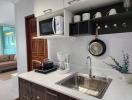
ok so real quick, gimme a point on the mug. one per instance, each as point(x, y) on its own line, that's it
point(85, 16)
point(98, 15)
point(112, 12)
point(77, 18)
point(127, 4)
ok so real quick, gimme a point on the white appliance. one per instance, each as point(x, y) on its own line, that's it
point(52, 26)
point(58, 25)
point(63, 59)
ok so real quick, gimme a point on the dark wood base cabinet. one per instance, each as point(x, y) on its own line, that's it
point(32, 91)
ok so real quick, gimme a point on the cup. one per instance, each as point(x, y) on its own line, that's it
point(85, 16)
point(77, 18)
point(112, 12)
point(98, 15)
point(127, 4)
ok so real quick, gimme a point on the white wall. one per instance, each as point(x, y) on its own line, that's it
point(22, 9)
point(78, 48)
point(7, 15)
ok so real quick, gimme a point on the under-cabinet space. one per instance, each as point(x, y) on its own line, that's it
point(74, 29)
point(83, 27)
point(80, 28)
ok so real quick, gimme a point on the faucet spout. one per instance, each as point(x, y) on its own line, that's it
point(89, 62)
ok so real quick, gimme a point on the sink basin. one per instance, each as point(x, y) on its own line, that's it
point(95, 86)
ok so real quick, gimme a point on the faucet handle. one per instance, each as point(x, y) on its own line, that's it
point(88, 57)
point(89, 62)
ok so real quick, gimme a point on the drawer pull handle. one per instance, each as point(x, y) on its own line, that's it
point(72, 1)
point(38, 97)
point(47, 11)
point(52, 94)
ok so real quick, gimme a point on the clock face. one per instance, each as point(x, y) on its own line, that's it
point(96, 48)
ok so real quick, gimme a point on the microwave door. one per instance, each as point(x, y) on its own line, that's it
point(53, 25)
point(45, 27)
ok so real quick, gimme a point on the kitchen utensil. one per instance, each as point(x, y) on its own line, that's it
point(77, 18)
point(45, 71)
point(127, 4)
point(47, 65)
point(63, 59)
point(85, 16)
point(97, 15)
point(97, 47)
point(112, 12)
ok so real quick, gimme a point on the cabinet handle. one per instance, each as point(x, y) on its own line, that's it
point(38, 97)
point(72, 1)
point(47, 11)
point(52, 94)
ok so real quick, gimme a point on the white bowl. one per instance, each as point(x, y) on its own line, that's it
point(77, 18)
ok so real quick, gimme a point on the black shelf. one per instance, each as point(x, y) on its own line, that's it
point(122, 22)
point(124, 15)
point(117, 23)
point(121, 16)
point(118, 19)
point(80, 28)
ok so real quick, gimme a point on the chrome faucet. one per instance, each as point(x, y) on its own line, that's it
point(89, 62)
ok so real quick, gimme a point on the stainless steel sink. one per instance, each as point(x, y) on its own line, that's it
point(95, 86)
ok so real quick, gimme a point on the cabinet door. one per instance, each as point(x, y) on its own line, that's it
point(51, 95)
point(38, 92)
point(64, 97)
point(24, 90)
point(68, 3)
point(42, 7)
point(83, 27)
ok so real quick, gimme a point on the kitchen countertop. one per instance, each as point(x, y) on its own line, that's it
point(118, 88)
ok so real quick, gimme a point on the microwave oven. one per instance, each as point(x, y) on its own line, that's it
point(52, 26)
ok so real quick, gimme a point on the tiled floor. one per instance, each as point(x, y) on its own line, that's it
point(8, 86)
